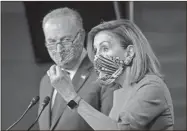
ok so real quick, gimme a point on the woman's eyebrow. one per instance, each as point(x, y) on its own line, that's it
point(103, 43)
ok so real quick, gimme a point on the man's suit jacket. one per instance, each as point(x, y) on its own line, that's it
point(85, 85)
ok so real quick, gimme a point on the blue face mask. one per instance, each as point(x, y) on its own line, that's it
point(108, 68)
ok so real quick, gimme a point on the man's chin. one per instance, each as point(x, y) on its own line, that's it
point(67, 65)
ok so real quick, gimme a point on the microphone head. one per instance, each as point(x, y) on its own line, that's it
point(46, 100)
point(35, 100)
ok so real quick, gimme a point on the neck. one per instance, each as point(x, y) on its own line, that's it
point(124, 78)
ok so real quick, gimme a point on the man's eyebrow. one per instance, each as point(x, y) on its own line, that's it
point(50, 39)
point(68, 36)
point(61, 39)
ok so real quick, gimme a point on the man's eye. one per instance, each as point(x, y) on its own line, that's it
point(49, 45)
point(66, 39)
point(51, 41)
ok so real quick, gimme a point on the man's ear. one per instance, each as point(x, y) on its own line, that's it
point(83, 35)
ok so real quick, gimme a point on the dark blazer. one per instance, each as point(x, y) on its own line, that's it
point(86, 87)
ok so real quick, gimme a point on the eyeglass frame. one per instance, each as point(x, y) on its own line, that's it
point(61, 42)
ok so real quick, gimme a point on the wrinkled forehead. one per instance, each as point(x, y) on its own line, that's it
point(103, 36)
point(60, 27)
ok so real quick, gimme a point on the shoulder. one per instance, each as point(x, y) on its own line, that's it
point(151, 80)
point(44, 79)
point(151, 87)
point(147, 101)
point(45, 83)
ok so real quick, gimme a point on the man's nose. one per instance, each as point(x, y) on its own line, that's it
point(58, 47)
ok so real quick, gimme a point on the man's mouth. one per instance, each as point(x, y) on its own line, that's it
point(63, 60)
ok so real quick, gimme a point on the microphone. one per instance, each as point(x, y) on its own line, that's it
point(32, 103)
point(44, 104)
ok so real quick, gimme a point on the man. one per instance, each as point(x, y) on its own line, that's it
point(64, 35)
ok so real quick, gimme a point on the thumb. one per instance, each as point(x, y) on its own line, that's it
point(58, 71)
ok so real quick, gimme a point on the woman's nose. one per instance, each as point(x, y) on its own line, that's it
point(97, 53)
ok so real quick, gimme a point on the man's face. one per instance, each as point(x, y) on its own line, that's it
point(63, 41)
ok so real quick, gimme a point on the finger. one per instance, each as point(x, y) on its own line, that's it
point(58, 71)
point(52, 70)
point(48, 73)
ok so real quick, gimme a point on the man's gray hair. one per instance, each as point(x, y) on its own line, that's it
point(62, 12)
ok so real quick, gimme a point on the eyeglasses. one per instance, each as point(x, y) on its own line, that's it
point(65, 44)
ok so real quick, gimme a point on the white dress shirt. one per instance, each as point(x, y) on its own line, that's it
point(71, 73)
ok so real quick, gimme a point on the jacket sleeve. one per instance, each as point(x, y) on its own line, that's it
point(107, 98)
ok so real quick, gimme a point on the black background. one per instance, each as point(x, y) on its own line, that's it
point(92, 13)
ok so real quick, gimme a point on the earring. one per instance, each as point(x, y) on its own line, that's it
point(128, 60)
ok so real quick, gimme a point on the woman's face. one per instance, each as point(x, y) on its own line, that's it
point(107, 43)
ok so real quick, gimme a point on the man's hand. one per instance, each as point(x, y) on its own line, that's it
point(61, 82)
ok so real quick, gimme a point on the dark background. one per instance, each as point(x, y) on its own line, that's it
point(163, 23)
point(92, 13)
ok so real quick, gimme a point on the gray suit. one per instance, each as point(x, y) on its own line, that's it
point(85, 85)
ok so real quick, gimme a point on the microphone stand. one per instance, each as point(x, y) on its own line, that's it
point(18, 119)
point(44, 104)
point(33, 102)
point(36, 119)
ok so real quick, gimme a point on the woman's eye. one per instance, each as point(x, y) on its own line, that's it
point(95, 51)
point(105, 49)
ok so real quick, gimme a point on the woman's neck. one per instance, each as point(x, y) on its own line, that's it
point(123, 80)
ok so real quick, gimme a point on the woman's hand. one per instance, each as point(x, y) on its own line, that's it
point(60, 80)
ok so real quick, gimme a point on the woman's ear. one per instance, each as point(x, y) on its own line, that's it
point(129, 54)
point(130, 51)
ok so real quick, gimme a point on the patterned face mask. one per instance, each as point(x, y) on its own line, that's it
point(68, 54)
point(108, 68)
point(71, 50)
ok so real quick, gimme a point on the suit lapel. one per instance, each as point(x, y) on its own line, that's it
point(60, 107)
point(45, 117)
point(82, 73)
point(78, 80)
point(49, 108)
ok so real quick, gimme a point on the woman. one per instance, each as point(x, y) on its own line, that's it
point(122, 57)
